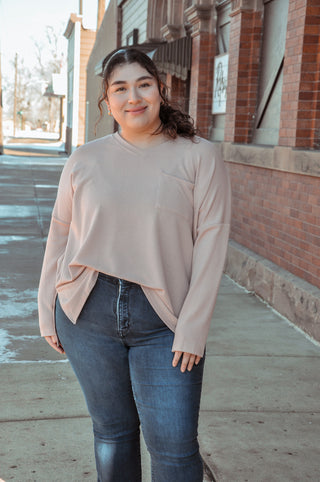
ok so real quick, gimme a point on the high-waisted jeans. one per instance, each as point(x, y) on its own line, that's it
point(120, 351)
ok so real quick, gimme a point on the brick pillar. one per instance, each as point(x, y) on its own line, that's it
point(243, 73)
point(203, 50)
point(300, 102)
point(177, 92)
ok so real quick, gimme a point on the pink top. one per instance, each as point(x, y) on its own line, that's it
point(157, 216)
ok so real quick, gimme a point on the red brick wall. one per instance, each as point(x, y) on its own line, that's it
point(203, 49)
point(276, 214)
point(300, 105)
point(177, 91)
point(86, 43)
point(243, 78)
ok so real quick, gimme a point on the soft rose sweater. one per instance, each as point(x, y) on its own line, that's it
point(157, 216)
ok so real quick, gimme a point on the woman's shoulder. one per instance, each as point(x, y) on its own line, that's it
point(88, 152)
point(93, 146)
point(205, 145)
point(199, 147)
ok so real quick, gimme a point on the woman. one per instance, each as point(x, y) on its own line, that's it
point(133, 262)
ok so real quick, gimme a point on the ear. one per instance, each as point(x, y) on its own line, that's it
point(163, 91)
point(108, 106)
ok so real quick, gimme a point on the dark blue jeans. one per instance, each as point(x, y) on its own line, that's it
point(120, 351)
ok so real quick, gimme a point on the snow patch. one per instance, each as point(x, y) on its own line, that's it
point(32, 161)
point(5, 340)
point(18, 304)
point(9, 211)
point(11, 239)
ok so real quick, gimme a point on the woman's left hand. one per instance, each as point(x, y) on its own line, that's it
point(54, 342)
point(188, 360)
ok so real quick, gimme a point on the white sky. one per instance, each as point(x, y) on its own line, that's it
point(20, 20)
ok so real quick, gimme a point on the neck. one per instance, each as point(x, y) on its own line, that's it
point(142, 139)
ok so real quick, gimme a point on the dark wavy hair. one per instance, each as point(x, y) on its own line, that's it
point(174, 122)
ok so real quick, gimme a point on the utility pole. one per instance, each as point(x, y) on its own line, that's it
point(15, 94)
point(101, 10)
point(80, 8)
point(1, 129)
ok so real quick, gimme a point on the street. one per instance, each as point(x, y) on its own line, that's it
point(25, 208)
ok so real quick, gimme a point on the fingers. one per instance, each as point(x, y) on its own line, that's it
point(54, 343)
point(176, 358)
point(198, 358)
point(188, 360)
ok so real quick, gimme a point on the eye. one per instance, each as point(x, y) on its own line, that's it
point(145, 84)
point(120, 89)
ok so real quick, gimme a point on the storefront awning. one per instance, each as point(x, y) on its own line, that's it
point(170, 57)
point(174, 57)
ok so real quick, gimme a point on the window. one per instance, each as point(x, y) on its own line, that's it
point(267, 120)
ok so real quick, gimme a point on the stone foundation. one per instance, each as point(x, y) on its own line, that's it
point(291, 296)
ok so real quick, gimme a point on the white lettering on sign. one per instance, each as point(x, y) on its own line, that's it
point(220, 82)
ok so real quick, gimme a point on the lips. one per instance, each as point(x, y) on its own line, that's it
point(138, 110)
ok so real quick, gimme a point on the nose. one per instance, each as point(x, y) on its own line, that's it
point(134, 96)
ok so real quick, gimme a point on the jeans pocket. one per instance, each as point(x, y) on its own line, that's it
point(148, 313)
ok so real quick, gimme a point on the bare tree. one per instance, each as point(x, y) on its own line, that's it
point(31, 105)
point(48, 55)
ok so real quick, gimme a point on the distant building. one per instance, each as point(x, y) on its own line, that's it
point(247, 72)
point(106, 41)
point(57, 89)
point(80, 43)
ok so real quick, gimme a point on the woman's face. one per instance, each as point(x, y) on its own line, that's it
point(134, 99)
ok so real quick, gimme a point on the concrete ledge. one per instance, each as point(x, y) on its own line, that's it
point(278, 158)
point(291, 296)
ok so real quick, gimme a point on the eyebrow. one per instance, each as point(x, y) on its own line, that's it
point(144, 77)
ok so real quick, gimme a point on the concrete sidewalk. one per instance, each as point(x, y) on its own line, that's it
point(260, 412)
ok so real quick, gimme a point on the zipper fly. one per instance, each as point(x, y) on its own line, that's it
point(118, 304)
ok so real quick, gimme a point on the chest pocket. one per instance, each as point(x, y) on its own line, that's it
point(175, 195)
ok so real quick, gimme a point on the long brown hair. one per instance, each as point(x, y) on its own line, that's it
point(174, 122)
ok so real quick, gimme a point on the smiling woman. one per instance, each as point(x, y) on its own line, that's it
point(135, 103)
point(131, 272)
point(171, 122)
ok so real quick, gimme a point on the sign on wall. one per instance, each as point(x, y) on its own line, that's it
point(220, 82)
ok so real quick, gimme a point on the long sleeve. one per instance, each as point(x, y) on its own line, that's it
point(212, 202)
point(55, 248)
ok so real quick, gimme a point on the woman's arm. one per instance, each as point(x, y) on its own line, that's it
point(212, 200)
point(55, 248)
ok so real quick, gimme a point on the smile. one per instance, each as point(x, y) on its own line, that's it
point(136, 111)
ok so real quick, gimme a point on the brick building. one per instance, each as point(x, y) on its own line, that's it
point(248, 72)
point(106, 41)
